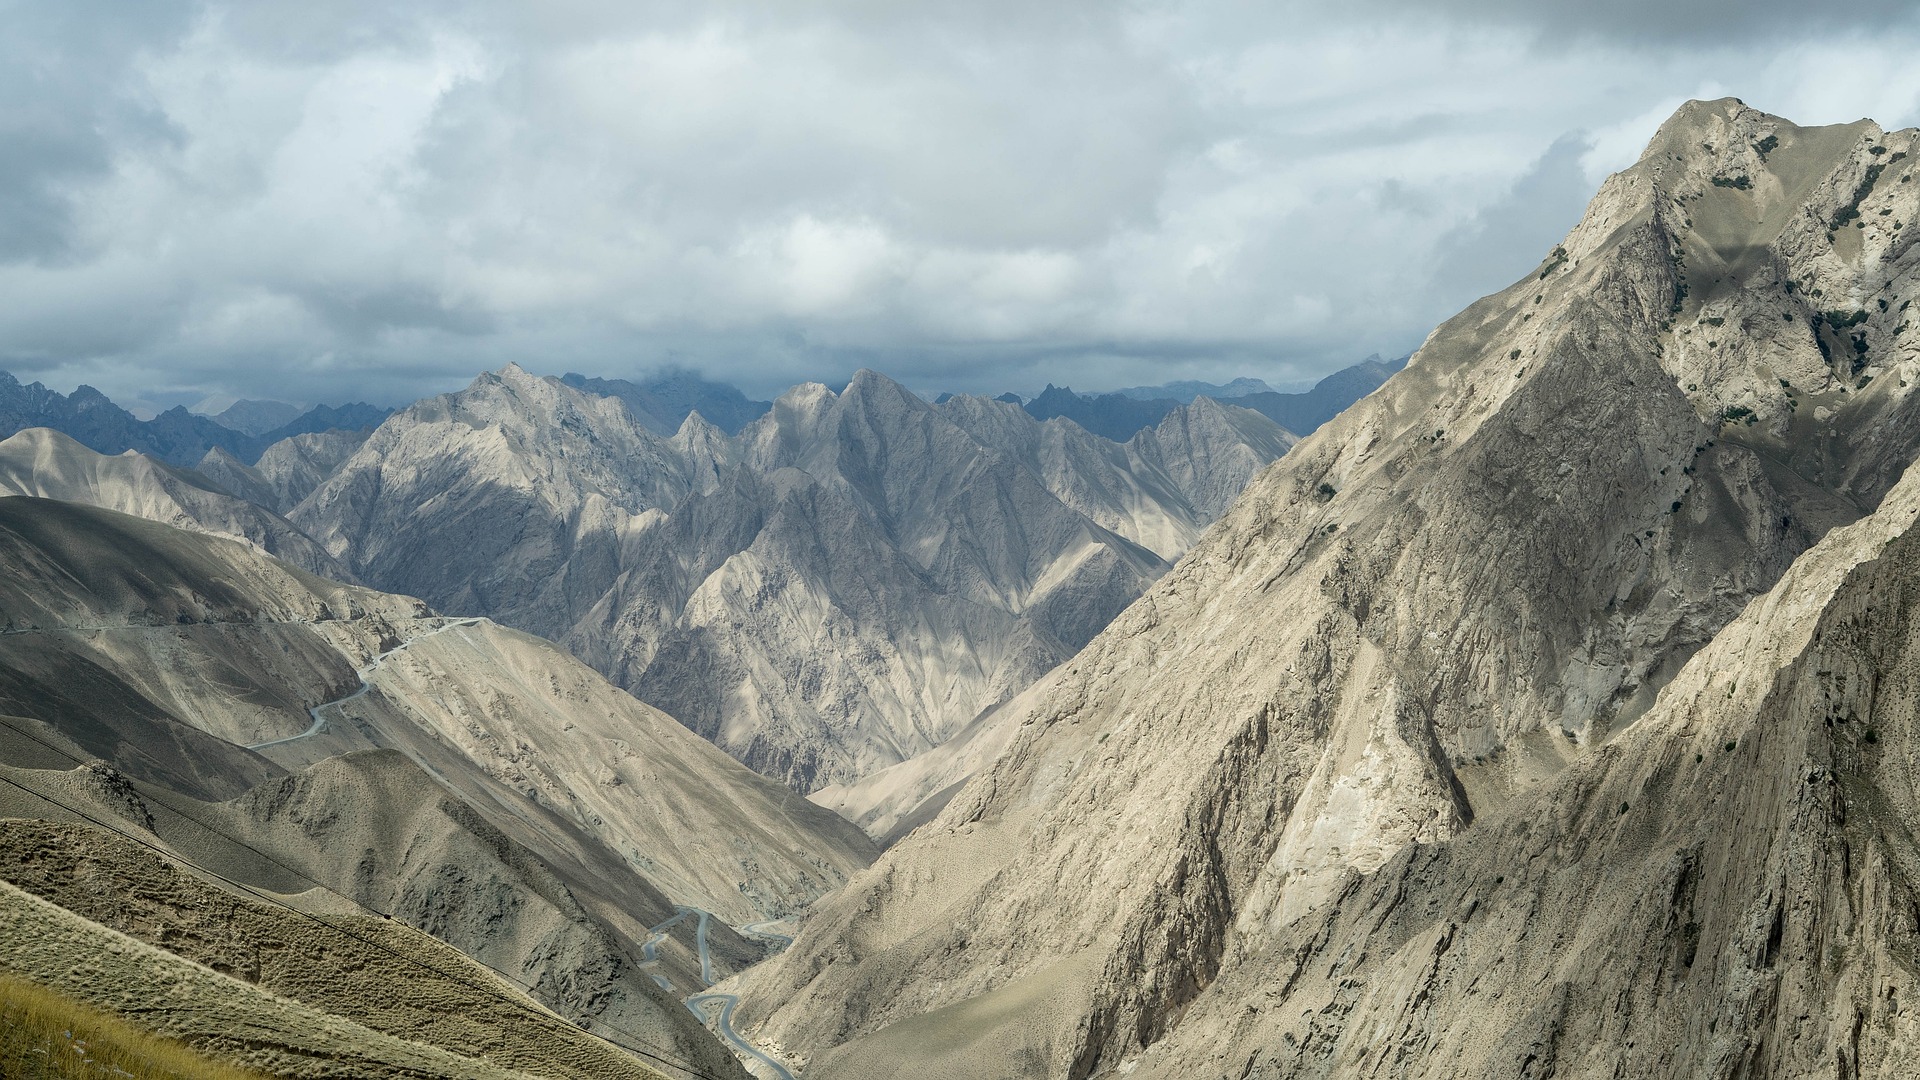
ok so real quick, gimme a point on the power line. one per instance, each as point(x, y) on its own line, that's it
point(648, 1054)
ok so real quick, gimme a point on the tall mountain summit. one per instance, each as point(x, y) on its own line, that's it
point(1448, 751)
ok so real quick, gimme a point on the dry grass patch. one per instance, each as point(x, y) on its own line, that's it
point(45, 1035)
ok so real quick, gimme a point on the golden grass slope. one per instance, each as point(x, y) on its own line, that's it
point(49, 1036)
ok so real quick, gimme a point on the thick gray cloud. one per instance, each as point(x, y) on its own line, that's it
point(1663, 23)
point(353, 199)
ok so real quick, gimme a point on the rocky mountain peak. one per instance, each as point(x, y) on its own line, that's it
point(869, 389)
point(1443, 601)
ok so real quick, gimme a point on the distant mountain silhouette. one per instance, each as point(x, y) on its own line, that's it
point(1121, 414)
point(176, 436)
point(663, 402)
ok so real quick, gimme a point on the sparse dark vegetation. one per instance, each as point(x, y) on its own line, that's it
point(1679, 280)
point(1736, 414)
point(1865, 188)
point(1557, 260)
point(1739, 182)
point(1325, 491)
point(1766, 146)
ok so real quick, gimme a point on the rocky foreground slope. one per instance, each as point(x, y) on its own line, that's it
point(346, 747)
point(1380, 780)
point(102, 920)
point(847, 582)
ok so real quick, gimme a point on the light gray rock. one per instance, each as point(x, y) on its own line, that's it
point(293, 467)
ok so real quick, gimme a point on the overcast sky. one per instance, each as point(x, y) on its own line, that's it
point(329, 199)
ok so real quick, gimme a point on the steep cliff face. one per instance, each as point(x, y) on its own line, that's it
point(496, 499)
point(1726, 889)
point(844, 584)
point(1481, 575)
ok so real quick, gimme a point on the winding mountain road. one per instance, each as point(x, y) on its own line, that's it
point(649, 949)
point(760, 930)
point(722, 1018)
point(724, 1025)
point(317, 711)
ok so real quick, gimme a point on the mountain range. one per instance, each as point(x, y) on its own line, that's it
point(1185, 390)
point(176, 436)
point(841, 585)
point(180, 677)
point(1122, 413)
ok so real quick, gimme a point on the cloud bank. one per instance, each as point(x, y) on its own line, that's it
point(344, 199)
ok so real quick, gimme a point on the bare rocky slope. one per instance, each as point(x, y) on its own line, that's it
point(100, 919)
point(1414, 679)
point(45, 463)
point(844, 584)
point(287, 471)
point(350, 747)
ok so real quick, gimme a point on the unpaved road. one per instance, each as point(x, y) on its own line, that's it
point(318, 712)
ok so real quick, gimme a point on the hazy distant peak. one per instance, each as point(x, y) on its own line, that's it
point(1185, 390)
point(256, 417)
point(701, 440)
point(696, 426)
point(221, 455)
point(662, 401)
